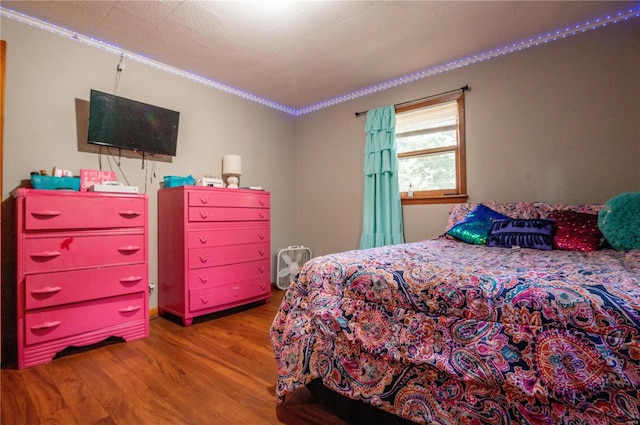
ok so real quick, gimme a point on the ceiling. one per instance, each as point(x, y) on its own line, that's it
point(305, 52)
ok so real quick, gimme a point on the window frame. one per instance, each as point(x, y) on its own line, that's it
point(459, 194)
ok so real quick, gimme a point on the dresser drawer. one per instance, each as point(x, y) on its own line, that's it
point(72, 319)
point(67, 212)
point(44, 254)
point(229, 294)
point(233, 254)
point(206, 214)
point(50, 289)
point(229, 198)
point(223, 275)
point(219, 237)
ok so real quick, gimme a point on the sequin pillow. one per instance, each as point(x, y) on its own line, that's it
point(474, 228)
point(536, 233)
point(576, 231)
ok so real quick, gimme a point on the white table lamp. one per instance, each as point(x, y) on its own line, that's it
point(232, 169)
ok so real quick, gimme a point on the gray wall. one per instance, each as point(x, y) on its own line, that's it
point(557, 123)
point(46, 73)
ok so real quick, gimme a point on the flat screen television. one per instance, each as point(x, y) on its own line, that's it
point(127, 124)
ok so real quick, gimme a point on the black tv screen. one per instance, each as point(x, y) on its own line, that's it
point(128, 124)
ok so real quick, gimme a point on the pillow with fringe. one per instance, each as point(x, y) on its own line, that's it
point(536, 233)
point(619, 221)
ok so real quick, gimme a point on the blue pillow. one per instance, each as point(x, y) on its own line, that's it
point(536, 233)
point(474, 228)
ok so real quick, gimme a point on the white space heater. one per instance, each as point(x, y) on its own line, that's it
point(290, 260)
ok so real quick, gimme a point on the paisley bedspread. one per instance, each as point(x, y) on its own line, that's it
point(443, 332)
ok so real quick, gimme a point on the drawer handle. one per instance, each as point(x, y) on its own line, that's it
point(46, 213)
point(261, 215)
point(46, 325)
point(203, 239)
point(131, 279)
point(261, 236)
point(130, 213)
point(204, 278)
point(130, 309)
point(204, 199)
point(45, 254)
point(261, 252)
point(204, 300)
point(263, 286)
point(204, 258)
point(46, 290)
point(261, 269)
point(261, 202)
point(130, 249)
point(204, 214)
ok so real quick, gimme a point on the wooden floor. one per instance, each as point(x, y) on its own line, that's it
point(218, 371)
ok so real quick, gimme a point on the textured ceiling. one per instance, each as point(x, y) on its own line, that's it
point(305, 52)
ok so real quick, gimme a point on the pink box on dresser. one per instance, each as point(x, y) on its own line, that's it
point(82, 270)
point(214, 249)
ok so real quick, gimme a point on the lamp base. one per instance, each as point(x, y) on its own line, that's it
point(232, 182)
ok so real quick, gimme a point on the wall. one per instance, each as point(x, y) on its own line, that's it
point(556, 123)
point(46, 73)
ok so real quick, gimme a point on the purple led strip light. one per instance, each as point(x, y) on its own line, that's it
point(513, 47)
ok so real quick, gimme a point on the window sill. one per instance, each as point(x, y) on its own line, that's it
point(451, 199)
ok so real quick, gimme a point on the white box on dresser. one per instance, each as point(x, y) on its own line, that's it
point(214, 249)
point(82, 270)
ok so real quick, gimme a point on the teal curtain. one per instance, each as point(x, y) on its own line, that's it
point(382, 221)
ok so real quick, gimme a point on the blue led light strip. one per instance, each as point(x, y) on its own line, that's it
point(479, 57)
point(142, 59)
point(513, 47)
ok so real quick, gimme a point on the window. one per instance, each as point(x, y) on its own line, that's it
point(431, 155)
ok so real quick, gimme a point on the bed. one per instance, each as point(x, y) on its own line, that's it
point(448, 332)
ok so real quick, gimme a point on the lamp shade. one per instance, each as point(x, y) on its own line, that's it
point(231, 165)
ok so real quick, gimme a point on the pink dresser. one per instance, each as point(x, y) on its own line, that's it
point(214, 249)
point(82, 270)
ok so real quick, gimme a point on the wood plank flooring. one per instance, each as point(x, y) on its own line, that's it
point(221, 370)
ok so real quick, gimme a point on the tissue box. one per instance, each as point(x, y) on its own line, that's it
point(55, 183)
point(173, 181)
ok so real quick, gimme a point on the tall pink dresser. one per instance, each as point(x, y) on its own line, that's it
point(82, 270)
point(214, 249)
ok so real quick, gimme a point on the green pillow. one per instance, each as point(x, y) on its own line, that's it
point(619, 221)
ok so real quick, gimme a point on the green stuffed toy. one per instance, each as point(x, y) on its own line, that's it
point(619, 221)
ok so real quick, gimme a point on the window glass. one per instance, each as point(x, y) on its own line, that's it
point(416, 142)
point(428, 172)
point(430, 143)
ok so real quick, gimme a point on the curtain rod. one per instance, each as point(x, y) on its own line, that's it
point(422, 98)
